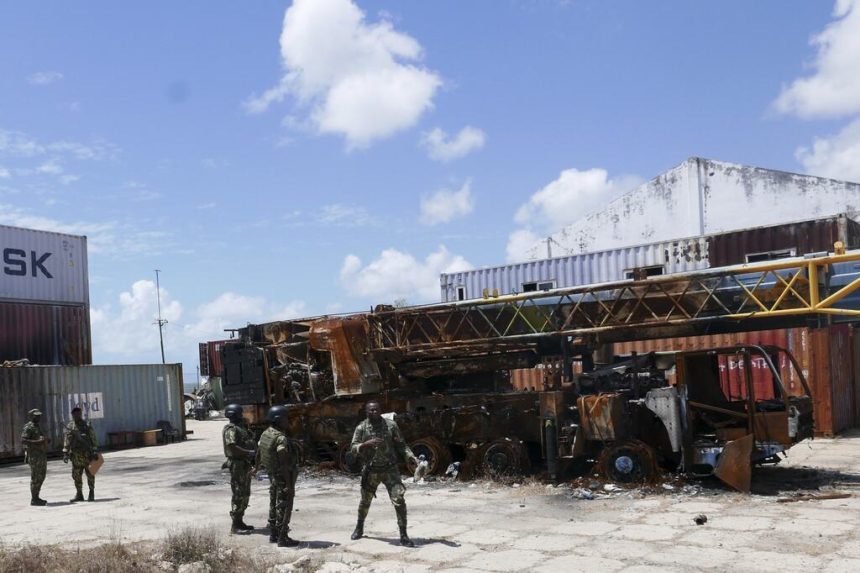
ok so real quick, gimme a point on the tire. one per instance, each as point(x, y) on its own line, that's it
point(631, 461)
point(437, 454)
point(504, 457)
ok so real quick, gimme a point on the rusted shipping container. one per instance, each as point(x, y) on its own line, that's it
point(778, 241)
point(826, 357)
point(47, 334)
point(210, 358)
point(116, 399)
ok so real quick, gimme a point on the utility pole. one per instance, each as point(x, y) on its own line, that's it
point(160, 322)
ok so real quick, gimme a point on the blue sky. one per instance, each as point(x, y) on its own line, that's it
point(277, 159)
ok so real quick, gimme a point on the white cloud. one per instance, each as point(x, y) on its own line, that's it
point(340, 215)
point(355, 78)
point(395, 274)
point(44, 78)
point(127, 330)
point(837, 156)
point(833, 89)
point(519, 243)
point(573, 195)
point(4, 173)
point(445, 205)
point(570, 197)
point(50, 168)
point(442, 148)
point(19, 144)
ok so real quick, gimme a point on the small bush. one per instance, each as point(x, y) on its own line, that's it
point(191, 545)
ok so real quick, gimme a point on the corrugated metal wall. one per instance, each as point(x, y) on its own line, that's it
point(825, 355)
point(43, 266)
point(804, 237)
point(128, 398)
point(675, 257)
point(45, 334)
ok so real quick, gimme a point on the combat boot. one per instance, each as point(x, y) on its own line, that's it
point(404, 538)
point(273, 537)
point(238, 526)
point(359, 530)
point(38, 501)
point(242, 526)
point(78, 497)
point(284, 540)
point(92, 496)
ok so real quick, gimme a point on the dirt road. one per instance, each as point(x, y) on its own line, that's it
point(480, 526)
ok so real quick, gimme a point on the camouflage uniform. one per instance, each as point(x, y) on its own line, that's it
point(36, 456)
point(80, 445)
point(381, 465)
point(282, 488)
point(240, 468)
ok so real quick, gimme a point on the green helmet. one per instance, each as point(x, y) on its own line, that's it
point(276, 413)
point(233, 412)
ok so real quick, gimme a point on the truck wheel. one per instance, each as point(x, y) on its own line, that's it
point(628, 462)
point(436, 453)
point(504, 457)
point(342, 465)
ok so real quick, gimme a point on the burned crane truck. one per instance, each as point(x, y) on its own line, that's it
point(510, 384)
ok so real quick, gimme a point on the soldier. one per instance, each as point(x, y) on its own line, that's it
point(380, 446)
point(35, 454)
point(275, 453)
point(80, 445)
point(239, 449)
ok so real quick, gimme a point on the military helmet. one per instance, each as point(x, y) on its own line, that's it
point(276, 413)
point(232, 411)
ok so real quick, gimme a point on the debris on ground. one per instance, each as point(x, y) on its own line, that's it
point(813, 496)
point(701, 519)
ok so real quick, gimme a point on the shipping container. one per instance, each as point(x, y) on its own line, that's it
point(826, 357)
point(210, 357)
point(46, 334)
point(116, 399)
point(681, 255)
point(41, 266)
point(575, 270)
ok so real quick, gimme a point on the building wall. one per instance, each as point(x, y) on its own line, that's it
point(701, 197)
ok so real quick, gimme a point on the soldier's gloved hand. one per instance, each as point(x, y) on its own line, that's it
point(65, 457)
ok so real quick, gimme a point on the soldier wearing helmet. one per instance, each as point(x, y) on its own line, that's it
point(239, 449)
point(36, 454)
point(81, 447)
point(280, 458)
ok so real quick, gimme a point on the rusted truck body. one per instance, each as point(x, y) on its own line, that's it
point(629, 418)
point(453, 373)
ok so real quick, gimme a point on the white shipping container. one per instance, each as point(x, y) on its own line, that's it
point(42, 266)
point(576, 270)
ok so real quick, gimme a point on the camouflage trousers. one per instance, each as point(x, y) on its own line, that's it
point(38, 469)
point(282, 490)
point(396, 491)
point(80, 464)
point(240, 484)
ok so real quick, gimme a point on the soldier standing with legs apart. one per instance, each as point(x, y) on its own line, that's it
point(239, 449)
point(280, 459)
point(80, 445)
point(35, 454)
point(381, 447)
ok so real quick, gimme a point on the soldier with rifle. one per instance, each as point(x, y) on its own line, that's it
point(80, 446)
point(279, 456)
point(239, 450)
point(35, 454)
point(381, 447)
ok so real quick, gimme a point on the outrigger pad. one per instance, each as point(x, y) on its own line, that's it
point(734, 465)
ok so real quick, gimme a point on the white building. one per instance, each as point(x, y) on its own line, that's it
point(704, 197)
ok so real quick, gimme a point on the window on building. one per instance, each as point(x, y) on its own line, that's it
point(538, 285)
point(644, 272)
point(461, 293)
point(770, 255)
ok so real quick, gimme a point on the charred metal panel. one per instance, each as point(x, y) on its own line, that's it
point(603, 416)
point(665, 404)
point(244, 380)
point(354, 370)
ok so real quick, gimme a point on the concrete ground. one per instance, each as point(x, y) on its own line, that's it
point(143, 493)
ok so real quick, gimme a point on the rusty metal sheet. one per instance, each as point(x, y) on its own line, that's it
point(346, 339)
point(734, 466)
point(603, 416)
point(47, 334)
